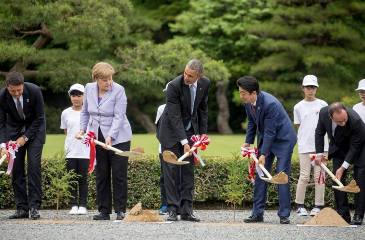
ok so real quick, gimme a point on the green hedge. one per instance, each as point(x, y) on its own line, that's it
point(143, 175)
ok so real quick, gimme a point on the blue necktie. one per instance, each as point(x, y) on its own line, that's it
point(192, 96)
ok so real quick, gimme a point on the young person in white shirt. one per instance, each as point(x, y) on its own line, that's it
point(306, 114)
point(360, 107)
point(77, 153)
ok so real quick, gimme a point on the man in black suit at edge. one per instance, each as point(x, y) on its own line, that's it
point(185, 114)
point(346, 132)
point(22, 120)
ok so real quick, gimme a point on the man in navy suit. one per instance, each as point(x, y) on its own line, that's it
point(275, 137)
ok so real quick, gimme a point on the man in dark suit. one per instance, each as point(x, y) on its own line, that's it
point(346, 132)
point(185, 114)
point(275, 137)
point(22, 120)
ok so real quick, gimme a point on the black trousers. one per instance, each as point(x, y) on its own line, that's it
point(111, 169)
point(162, 183)
point(179, 182)
point(79, 188)
point(33, 198)
point(341, 198)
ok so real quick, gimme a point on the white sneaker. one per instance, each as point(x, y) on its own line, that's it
point(74, 210)
point(82, 211)
point(302, 211)
point(315, 211)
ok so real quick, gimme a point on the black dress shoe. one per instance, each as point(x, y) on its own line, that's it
point(101, 216)
point(254, 219)
point(189, 217)
point(120, 215)
point(172, 216)
point(20, 213)
point(356, 220)
point(34, 214)
point(284, 220)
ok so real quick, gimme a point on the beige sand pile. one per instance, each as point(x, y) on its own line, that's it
point(327, 217)
point(137, 214)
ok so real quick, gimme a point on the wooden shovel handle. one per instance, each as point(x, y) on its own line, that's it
point(261, 166)
point(186, 154)
point(331, 175)
point(116, 150)
point(2, 159)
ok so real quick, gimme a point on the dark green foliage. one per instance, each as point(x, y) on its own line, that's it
point(215, 183)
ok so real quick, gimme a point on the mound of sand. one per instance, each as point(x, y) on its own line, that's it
point(137, 214)
point(145, 216)
point(327, 217)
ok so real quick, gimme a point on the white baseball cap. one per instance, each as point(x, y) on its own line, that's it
point(77, 86)
point(310, 80)
point(361, 85)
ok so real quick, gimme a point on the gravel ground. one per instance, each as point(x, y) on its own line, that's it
point(215, 224)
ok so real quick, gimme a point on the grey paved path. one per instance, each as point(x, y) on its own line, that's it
point(216, 224)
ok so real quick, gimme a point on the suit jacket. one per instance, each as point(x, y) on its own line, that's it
point(347, 142)
point(12, 125)
point(271, 123)
point(177, 113)
point(109, 114)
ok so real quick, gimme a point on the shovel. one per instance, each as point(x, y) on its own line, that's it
point(352, 187)
point(2, 159)
point(135, 152)
point(170, 157)
point(280, 178)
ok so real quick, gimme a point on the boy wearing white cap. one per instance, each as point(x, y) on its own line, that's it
point(360, 107)
point(77, 153)
point(306, 118)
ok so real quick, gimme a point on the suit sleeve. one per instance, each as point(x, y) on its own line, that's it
point(251, 128)
point(39, 119)
point(203, 112)
point(355, 142)
point(2, 125)
point(84, 115)
point(173, 108)
point(271, 118)
point(320, 133)
point(120, 108)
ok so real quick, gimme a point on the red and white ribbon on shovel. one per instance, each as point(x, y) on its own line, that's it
point(248, 152)
point(199, 142)
point(11, 148)
point(322, 174)
point(89, 141)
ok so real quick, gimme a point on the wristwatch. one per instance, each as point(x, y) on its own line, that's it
point(25, 138)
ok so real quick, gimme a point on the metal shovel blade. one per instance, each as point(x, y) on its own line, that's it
point(170, 157)
point(352, 187)
point(280, 178)
point(135, 152)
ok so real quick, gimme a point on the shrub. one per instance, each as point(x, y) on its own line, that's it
point(211, 183)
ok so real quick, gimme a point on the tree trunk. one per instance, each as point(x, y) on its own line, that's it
point(223, 112)
point(141, 118)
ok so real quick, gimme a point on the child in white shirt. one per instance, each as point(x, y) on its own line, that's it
point(306, 114)
point(360, 107)
point(77, 153)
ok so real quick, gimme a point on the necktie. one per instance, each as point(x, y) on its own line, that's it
point(19, 108)
point(192, 96)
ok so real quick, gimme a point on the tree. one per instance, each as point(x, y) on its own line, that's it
point(148, 67)
point(321, 37)
point(220, 29)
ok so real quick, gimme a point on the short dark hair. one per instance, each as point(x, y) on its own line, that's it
point(335, 107)
point(76, 93)
point(249, 83)
point(14, 78)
